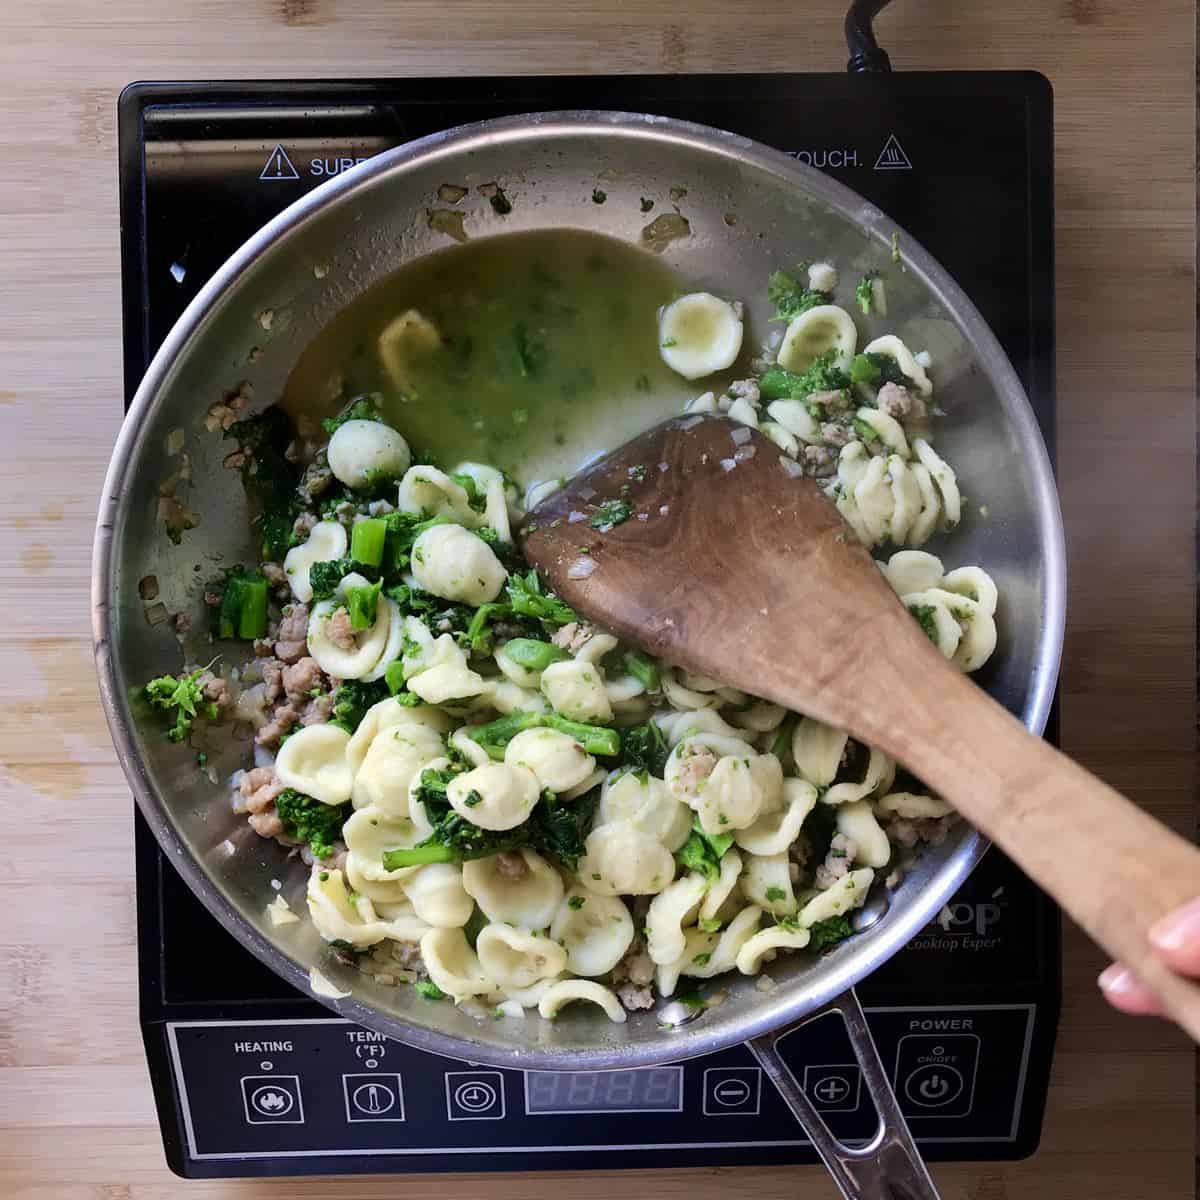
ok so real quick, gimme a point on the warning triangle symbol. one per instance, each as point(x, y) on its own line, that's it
point(278, 166)
point(892, 157)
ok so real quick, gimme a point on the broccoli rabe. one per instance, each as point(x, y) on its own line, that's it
point(864, 292)
point(362, 603)
point(428, 990)
point(352, 699)
point(823, 375)
point(556, 829)
point(828, 933)
point(269, 477)
point(527, 598)
point(610, 514)
point(926, 617)
point(791, 297)
point(644, 750)
point(324, 577)
point(185, 696)
point(495, 735)
point(363, 408)
point(243, 611)
point(308, 820)
point(703, 851)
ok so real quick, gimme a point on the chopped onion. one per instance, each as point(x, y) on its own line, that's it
point(581, 568)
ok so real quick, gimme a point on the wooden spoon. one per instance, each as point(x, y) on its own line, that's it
point(732, 566)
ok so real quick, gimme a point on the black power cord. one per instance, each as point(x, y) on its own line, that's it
point(865, 52)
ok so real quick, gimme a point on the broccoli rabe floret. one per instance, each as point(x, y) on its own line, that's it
point(269, 477)
point(183, 695)
point(352, 699)
point(703, 851)
point(528, 598)
point(828, 933)
point(324, 577)
point(363, 408)
point(308, 820)
point(823, 375)
point(556, 829)
point(644, 750)
point(791, 297)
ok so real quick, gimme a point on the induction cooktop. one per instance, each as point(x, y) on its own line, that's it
point(253, 1078)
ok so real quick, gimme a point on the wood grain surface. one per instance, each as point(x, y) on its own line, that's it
point(76, 1118)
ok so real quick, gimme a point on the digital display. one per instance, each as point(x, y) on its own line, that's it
point(645, 1089)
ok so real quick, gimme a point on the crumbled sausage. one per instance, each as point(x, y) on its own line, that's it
point(932, 830)
point(819, 460)
point(316, 480)
point(272, 677)
point(274, 574)
point(212, 599)
point(745, 389)
point(260, 787)
point(318, 710)
point(837, 862)
point(266, 824)
point(281, 720)
point(573, 636)
point(304, 524)
point(831, 401)
point(694, 770)
point(339, 630)
point(216, 691)
point(834, 434)
point(300, 678)
point(633, 997)
point(899, 402)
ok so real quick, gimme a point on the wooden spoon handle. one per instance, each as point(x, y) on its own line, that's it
point(1112, 867)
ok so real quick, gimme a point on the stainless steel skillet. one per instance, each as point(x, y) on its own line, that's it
point(285, 284)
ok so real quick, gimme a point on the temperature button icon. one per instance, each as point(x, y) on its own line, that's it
point(374, 1097)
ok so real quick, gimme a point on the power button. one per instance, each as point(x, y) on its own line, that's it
point(935, 1074)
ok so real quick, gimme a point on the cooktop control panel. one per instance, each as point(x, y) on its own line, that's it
point(325, 1088)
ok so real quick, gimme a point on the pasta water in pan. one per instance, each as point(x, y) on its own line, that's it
point(500, 804)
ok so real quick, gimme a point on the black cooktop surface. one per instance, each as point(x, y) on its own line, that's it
point(252, 1077)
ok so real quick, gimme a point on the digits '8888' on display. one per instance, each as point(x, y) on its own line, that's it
point(650, 1089)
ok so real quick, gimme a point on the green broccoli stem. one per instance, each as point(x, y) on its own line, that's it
point(366, 541)
point(418, 856)
point(644, 669)
point(532, 654)
point(243, 611)
point(495, 735)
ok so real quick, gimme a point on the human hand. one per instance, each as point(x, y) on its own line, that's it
point(1176, 940)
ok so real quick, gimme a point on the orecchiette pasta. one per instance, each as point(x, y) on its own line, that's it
point(454, 563)
point(313, 761)
point(556, 759)
point(531, 790)
point(453, 965)
point(594, 929)
point(826, 329)
point(513, 958)
point(363, 453)
point(327, 540)
point(438, 896)
point(576, 689)
point(569, 990)
point(520, 888)
point(495, 796)
point(669, 911)
point(620, 860)
point(847, 893)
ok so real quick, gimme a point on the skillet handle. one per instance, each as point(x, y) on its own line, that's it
point(889, 1166)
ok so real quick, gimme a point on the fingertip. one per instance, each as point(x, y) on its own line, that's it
point(1176, 937)
point(1124, 991)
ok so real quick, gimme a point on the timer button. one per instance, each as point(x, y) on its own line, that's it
point(474, 1096)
